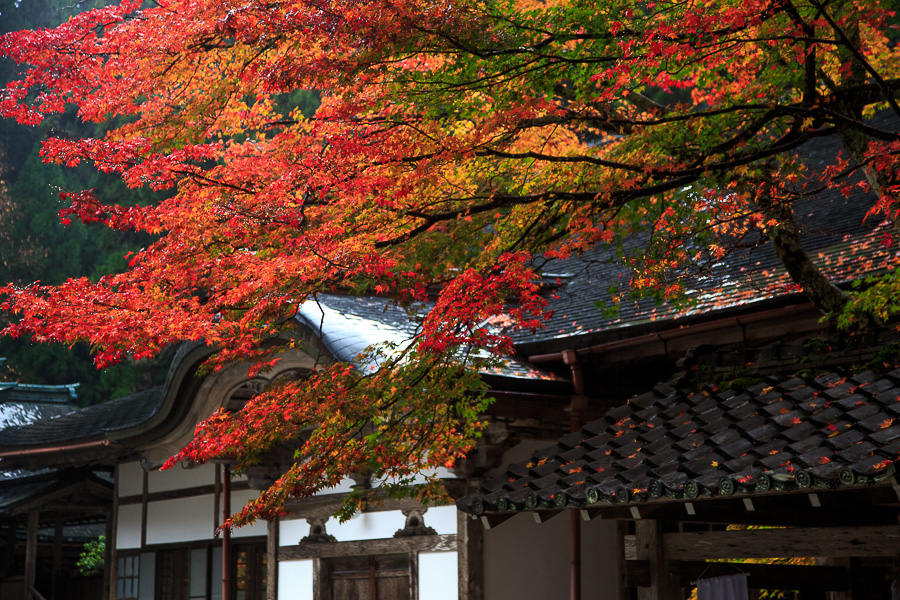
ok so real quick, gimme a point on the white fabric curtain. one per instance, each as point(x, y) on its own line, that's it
point(726, 587)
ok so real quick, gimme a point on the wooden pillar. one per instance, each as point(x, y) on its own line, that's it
point(226, 534)
point(664, 576)
point(112, 558)
point(8, 568)
point(272, 542)
point(57, 557)
point(469, 551)
point(31, 554)
point(145, 493)
point(217, 497)
point(414, 576)
point(621, 565)
point(321, 580)
point(839, 562)
point(575, 558)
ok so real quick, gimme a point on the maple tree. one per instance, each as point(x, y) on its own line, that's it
point(454, 143)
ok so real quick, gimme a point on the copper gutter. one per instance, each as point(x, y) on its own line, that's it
point(669, 334)
point(57, 449)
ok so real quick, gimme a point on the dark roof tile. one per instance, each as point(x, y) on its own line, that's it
point(753, 422)
point(789, 418)
point(736, 448)
point(791, 384)
point(875, 387)
point(659, 459)
point(857, 452)
point(841, 391)
point(853, 402)
point(815, 458)
point(763, 433)
point(778, 408)
point(725, 436)
point(804, 445)
point(885, 435)
point(876, 422)
point(804, 395)
point(829, 447)
point(573, 440)
point(799, 432)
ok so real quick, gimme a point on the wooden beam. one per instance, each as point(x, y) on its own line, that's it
point(542, 516)
point(31, 541)
point(650, 540)
point(414, 576)
point(492, 521)
point(589, 514)
point(325, 505)
point(112, 532)
point(761, 576)
point(145, 487)
point(470, 552)
point(272, 540)
point(623, 593)
point(417, 543)
point(774, 543)
point(57, 555)
point(321, 580)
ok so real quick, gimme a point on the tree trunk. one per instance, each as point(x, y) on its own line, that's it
point(785, 238)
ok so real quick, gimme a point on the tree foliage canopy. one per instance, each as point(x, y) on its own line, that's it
point(454, 142)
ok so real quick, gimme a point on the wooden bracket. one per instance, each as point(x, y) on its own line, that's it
point(589, 514)
point(491, 521)
point(542, 516)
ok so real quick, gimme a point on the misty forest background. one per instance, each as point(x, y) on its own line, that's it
point(35, 246)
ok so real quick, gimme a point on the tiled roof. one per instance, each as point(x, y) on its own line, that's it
point(21, 404)
point(23, 488)
point(834, 229)
point(684, 444)
point(86, 423)
point(348, 325)
point(44, 394)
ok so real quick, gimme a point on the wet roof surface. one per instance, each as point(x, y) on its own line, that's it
point(348, 325)
point(834, 230)
point(85, 423)
point(683, 444)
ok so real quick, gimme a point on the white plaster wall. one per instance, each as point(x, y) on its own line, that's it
point(128, 528)
point(290, 532)
point(344, 487)
point(238, 501)
point(365, 526)
point(180, 520)
point(513, 548)
point(599, 563)
point(130, 477)
point(438, 576)
point(441, 518)
point(295, 580)
point(178, 478)
point(368, 526)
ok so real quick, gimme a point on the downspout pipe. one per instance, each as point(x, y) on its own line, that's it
point(576, 410)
